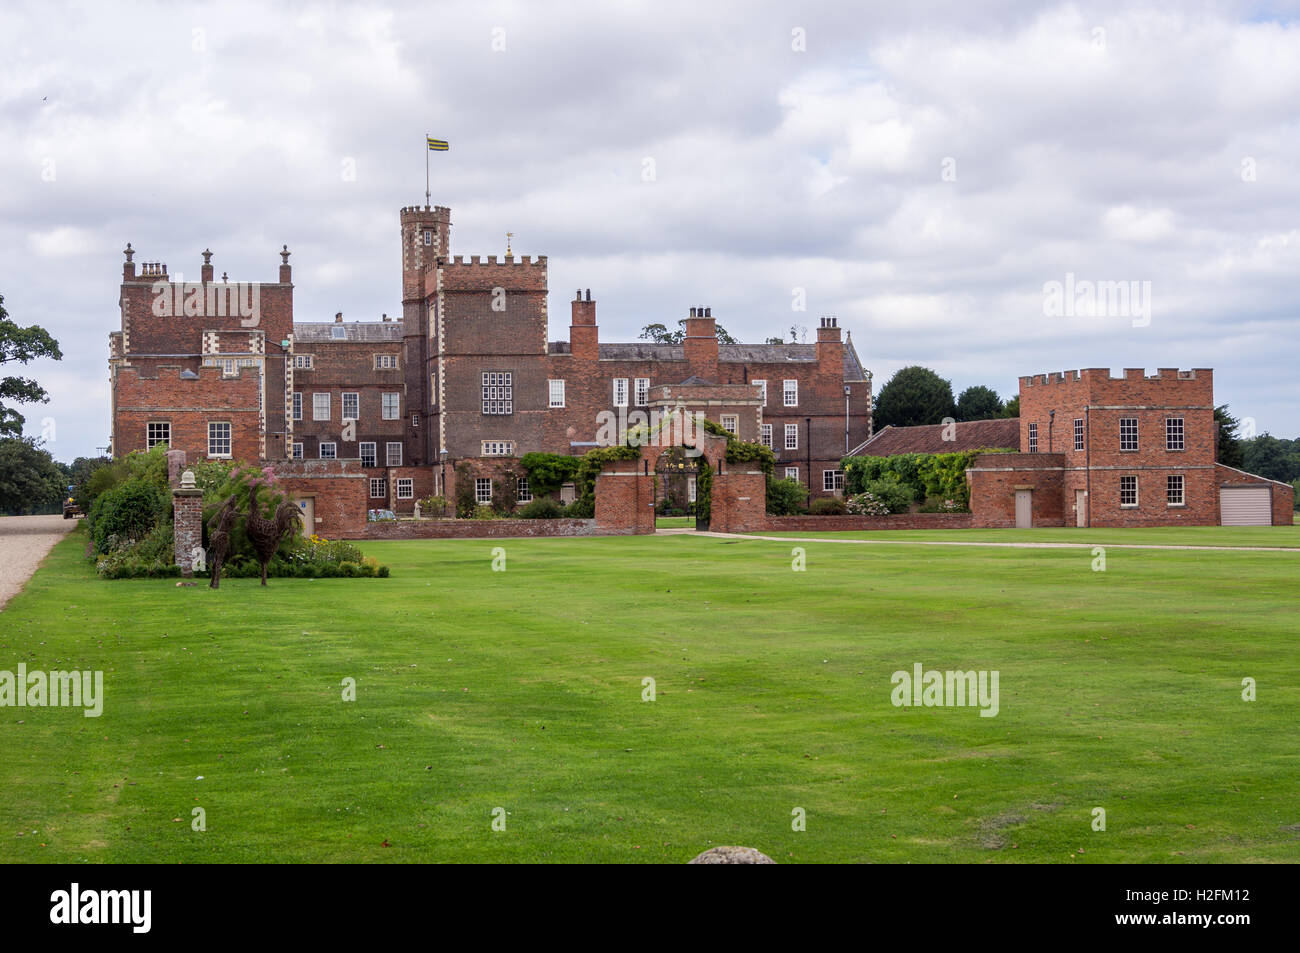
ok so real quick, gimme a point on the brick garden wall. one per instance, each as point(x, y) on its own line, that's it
point(835, 524)
point(484, 529)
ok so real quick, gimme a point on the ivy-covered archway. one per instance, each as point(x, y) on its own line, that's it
point(683, 482)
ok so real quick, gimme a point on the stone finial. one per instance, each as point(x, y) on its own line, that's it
point(284, 254)
point(207, 256)
point(223, 276)
point(187, 480)
point(129, 252)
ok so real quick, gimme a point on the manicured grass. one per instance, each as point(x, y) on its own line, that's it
point(523, 690)
point(675, 522)
point(1287, 536)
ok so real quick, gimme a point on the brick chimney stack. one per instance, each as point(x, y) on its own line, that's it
point(128, 269)
point(830, 349)
point(584, 336)
point(701, 344)
point(286, 272)
point(205, 273)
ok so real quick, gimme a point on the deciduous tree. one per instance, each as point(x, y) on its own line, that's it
point(21, 345)
point(29, 477)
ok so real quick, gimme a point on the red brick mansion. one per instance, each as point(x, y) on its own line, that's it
point(467, 375)
point(378, 414)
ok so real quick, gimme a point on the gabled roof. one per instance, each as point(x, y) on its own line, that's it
point(1001, 434)
point(852, 366)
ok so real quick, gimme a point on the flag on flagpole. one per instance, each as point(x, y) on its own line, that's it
point(437, 145)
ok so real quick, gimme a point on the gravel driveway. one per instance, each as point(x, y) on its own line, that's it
point(24, 541)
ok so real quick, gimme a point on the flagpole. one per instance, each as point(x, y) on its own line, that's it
point(426, 170)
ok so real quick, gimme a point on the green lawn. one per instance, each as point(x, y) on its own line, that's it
point(675, 522)
point(522, 690)
point(1237, 536)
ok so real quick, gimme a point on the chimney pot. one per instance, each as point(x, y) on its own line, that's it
point(588, 294)
point(708, 312)
point(338, 318)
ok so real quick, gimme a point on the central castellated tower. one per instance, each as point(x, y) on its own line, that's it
point(426, 237)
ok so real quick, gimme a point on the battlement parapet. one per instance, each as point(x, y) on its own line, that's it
point(1102, 375)
point(506, 261)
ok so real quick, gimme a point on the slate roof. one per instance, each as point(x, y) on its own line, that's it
point(969, 435)
point(734, 354)
point(638, 351)
point(358, 332)
point(321, 332)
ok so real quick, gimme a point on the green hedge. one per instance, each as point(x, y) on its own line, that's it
point(925, 476)
point(127, 512)
point(785, 497)
point(544, 508)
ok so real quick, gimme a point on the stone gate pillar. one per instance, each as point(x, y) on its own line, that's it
point(187, 522)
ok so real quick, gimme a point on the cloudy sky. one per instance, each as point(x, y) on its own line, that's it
point(921, 170)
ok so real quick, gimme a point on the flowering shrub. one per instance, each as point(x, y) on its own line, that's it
point(312, 557)
point(880, 498)
point(318, 549)
point(867, 504)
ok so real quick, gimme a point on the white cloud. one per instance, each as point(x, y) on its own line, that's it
point(64, 241)
point(1116, 160)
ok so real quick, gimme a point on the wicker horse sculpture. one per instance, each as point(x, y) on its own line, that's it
point(267, 534)
point(219, 528)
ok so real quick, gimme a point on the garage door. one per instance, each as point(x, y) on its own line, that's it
point(1245, 506)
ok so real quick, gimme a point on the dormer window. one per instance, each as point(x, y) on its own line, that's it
point(339, 333)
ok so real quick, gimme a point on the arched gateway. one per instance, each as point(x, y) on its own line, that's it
point(682, 485)
point(728, 500)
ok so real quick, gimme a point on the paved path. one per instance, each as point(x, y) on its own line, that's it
point(24, 541)
point(945, 542)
